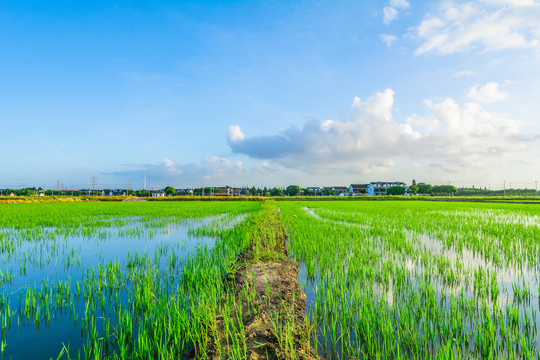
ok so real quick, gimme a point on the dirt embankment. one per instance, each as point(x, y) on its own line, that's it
point(264, 316)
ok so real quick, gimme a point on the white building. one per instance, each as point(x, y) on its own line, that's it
point(379, 187)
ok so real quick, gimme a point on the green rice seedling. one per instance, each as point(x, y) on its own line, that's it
point(450, 293)
point(127, 296)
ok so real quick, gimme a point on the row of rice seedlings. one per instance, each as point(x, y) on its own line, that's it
point(458, 232)
point(438, 308)
point(36, 222)
point(447, 272)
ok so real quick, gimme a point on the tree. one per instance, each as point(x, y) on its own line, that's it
point(293, 190)
point(414, 188)
point(328, 191)
point(308, 192)
point(396, 190)
point(443, 190)
point(424, 188)
point(169, 191)
point(276, 192)
point(140, 193)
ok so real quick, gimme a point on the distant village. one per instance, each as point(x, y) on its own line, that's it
point(376, 188)
point(372, 189)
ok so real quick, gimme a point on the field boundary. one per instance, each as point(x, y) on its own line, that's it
point(264, 300)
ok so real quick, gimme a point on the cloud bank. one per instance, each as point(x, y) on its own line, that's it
point(487, 25)
point(212, 170)
point(449, 135)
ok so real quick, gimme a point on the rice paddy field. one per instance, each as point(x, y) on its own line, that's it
point(114, 280)
point(419, 279)
point(383, 279)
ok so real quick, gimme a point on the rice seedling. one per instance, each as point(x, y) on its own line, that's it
point(122, 280)
point(417, 280)
point(383, 279)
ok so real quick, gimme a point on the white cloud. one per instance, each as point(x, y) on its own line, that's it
point(486, 26)
point(211, 169)
point(487, 93)
point(400, 4)
point(235, 133)
point(516, 3)
point(390, 12)
point(388, 39)
point(451, 136)
point(218, 168)
point(463, 73)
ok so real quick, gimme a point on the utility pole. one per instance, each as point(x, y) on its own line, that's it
point(504, 188)
point(94, 185)
point(144, 183)
point(536, 187)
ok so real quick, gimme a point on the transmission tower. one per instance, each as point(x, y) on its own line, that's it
point(94, 185)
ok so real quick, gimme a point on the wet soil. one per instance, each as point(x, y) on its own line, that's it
point(269, 305)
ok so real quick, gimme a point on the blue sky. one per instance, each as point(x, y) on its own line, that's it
point(269, 93)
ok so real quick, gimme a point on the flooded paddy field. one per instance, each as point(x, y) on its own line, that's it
point(114, 280)
point(383, 280)
point(418, 279)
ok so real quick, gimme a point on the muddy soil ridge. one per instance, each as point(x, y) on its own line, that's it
point(265, 316)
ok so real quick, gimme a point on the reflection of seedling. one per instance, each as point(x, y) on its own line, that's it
point(3, 345)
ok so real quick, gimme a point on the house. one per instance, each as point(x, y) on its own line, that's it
point(315, 190)
point(329, 190)
point(358, 189)
point(224, 191)
point(157, 193)
point(379, 187)
point(340, 190)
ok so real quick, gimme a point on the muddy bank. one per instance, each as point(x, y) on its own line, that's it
point(263, 315)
